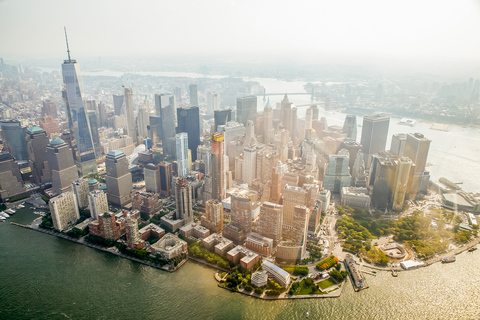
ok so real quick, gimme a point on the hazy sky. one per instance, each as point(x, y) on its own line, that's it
point(429, 29)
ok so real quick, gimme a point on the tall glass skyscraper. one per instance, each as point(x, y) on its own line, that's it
point(181, 140)
point(81, 138)
point(189, 122)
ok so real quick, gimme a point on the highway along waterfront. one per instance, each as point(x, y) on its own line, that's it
point(45, 277)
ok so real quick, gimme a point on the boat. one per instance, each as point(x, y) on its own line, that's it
point(307, 315)
point(448, 260)
point(10, 211)
point(4, 215)
point(20, 206)
point(472, 249)
point(407, 122)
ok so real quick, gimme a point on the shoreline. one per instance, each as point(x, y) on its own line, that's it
point(100, 248)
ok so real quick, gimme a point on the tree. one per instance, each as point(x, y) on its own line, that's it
point(259, 291)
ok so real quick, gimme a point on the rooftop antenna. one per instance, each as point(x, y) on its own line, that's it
point(66, 39)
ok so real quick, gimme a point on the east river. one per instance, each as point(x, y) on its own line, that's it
point(44, 277)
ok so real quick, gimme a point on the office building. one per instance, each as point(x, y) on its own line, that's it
point(374, 134)
point(217, 167)
point(64, 210)
point(241, 219)
point(118, 178)
point(183, 200)
point(350, 127)
point(80, 131)
point(416, 148)
point(97, 202)
point(13, 137)
point(49, 125)
point(355, 197)
point(81, 191)
point(151, 173)
point(118, 105)
point(62, 166)
point(246, 109)
point(220, 244)
point(259, 244)
point(292, 196)
point(155, 130)
point(49, 108)
point(398, 144)
point(11, 182)
point(213, 218)
point(301, 215)
point(165, 178)
point(270, 221)
point(281, 276)
point(143, 121)
point(92, 118)
point(189, 122)
point(268, 130)
point(276, 186)
point(337, 172)
point(221, 117)
point(212, 102)
point(37, 141)
point(129, 112)
point(182, 154)
point(249, 164)
point(166, 108)
point(193, 95)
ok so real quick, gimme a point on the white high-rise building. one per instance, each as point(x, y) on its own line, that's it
point(131, 130)
point(181, 140)
point(249, 164)
point(212, 102)
point(64, 210)
point(80, 189)
point(97, 201)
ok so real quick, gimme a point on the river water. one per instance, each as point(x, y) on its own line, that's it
point(44, 277)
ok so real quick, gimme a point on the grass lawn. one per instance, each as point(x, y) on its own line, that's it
point(304, 290)
point(326, 283)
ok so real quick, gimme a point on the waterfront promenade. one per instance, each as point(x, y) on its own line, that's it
point(35, 226)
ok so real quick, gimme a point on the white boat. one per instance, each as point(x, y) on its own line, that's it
point(307, 315)
point(4, 215)
point(10, 211)
point(407, 122)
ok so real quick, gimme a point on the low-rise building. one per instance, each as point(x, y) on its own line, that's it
point(289, 251)
point(146, 202)
point(247, 258)
point(355, 197)
point(171, 223)
point(259, 244)
point(169, 246)
point(194, 230)
point(280, 275)
point(357, 278)
point(222, 245)
point(259, 279)
point(151, 231)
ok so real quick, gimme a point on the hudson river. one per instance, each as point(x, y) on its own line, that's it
point(44, 277)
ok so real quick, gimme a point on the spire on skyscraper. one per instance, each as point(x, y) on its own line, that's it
point(66, 40)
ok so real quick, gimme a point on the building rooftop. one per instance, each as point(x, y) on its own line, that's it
point(56, 142)
point(92, 181)
point(115, 153)
point(35, 129)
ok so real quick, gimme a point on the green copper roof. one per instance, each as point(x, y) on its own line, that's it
point(115, 153)
point(35, 129)
point(92, 181)
point(268, 105)
point(56, 142)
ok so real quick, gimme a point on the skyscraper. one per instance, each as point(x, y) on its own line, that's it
point(118, 104)
point(270, 221)
point(11, 182)
point(64, 211)
point(337, 172)
point(416, 148)
point(241, 213)
point(152, 178)
point(249, 164)
point(213, 218)
point(212, 102)
point(131, 129)
point(292, 196)
point(37, 142)
point(14, 139)
point(374, 134)
point(80, 190)
point(217, 166)
point(350, 126)
point(268, 131)
point(246, 109)
point(193, 95)
point(118, 178)
point(165, 178)
point(182, 154)
point(183, 200)
point(398, 144)
point(62, 166)
point(166, 108)
point(92, 117)
point(81, 138)
point(49, 109)
point(189, 122)
point(221, 117)
point(97, 201)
